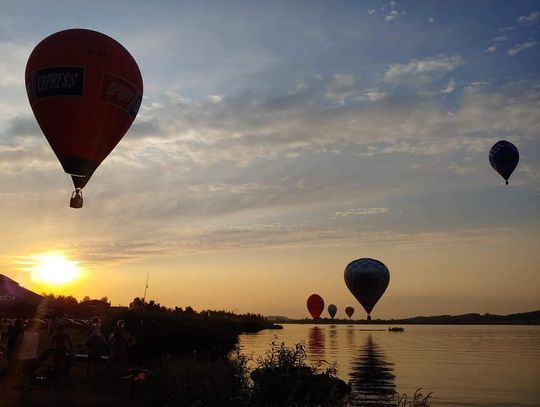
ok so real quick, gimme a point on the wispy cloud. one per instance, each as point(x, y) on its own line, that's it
point(505, 29)
point(362, 212)
point(491, 49)
point(374, 95)
point(521, 47)
point(431, 20)
point(529, 18)
point(438, 65)
point(393, 15)
point(450, 87)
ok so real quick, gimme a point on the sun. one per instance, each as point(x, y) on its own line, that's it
point(54, 270)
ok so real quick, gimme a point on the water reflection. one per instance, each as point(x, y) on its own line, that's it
point(371, 376)
point(316, 343)
point(333, 342)
point(350, 336)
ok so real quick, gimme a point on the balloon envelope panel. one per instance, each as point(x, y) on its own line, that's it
point(85, 90)
point(367, 279)
point(315, 305)
point(504, 158)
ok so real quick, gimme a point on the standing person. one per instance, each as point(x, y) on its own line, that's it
point(119, 347)
point(26, 353)
point(62, 348)
point(13, 334)
point(50, 325)
point(95, 327)
point(4, 326)
point(96, 345)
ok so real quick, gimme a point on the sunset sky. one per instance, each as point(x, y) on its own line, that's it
point(279, 140)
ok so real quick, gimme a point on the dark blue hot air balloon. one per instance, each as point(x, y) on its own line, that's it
point(367, 280)
point(332, 309)
point(504, 158)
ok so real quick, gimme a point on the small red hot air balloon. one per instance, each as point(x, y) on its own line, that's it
point(349, 311)
point(85, 90)
point(315, 305)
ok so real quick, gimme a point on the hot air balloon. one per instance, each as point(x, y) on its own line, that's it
point(315, 305)
point(367, 280)
point(85, 90)
point(504, 158)
point(349, 311)
point(332, 309)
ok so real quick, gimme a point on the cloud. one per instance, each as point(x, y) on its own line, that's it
point(476, 85)
point(500, 38)
point(13, 59)
point(505, 29)
point(431, 20)
point(145, 128)
point(428, 67)
point(362, 212)
point(393, 15)
point(248, 129)
point(238, 175)
point(491, 49)
point(531, 17)
point(23, 126)
point(371, 11)
point(450, 87)
point(520, 47)
point(374, 95)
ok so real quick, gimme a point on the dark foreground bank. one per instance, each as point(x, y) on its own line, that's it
point(178, 357)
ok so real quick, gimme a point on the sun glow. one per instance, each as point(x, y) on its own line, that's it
point(54, 270)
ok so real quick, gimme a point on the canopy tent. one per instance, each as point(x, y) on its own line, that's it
point(16, 300)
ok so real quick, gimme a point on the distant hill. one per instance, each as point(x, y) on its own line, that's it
point(523, 318)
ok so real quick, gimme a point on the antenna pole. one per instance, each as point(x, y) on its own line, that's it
point(145, 287)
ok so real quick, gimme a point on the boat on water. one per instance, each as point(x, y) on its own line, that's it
point(396, 329)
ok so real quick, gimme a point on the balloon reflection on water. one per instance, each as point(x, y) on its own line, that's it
point(371, 377)
point(316, 343)
point(333, 342)
point(350, 336)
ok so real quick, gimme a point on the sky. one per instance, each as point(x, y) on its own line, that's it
point(278, 141)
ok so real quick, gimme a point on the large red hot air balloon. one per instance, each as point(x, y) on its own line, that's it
point(315, 305)
point(85, 90)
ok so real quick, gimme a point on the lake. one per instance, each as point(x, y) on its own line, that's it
point(463, 365)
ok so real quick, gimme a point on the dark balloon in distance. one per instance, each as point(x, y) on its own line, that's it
point(315, 305)
point(332, 310)
point(367, 279)
point(349, 311)
point(504, 158)
point(85, 90)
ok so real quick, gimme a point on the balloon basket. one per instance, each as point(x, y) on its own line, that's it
point(76, 200)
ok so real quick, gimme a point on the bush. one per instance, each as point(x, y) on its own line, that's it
point(201, 382)
point(282, 377)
